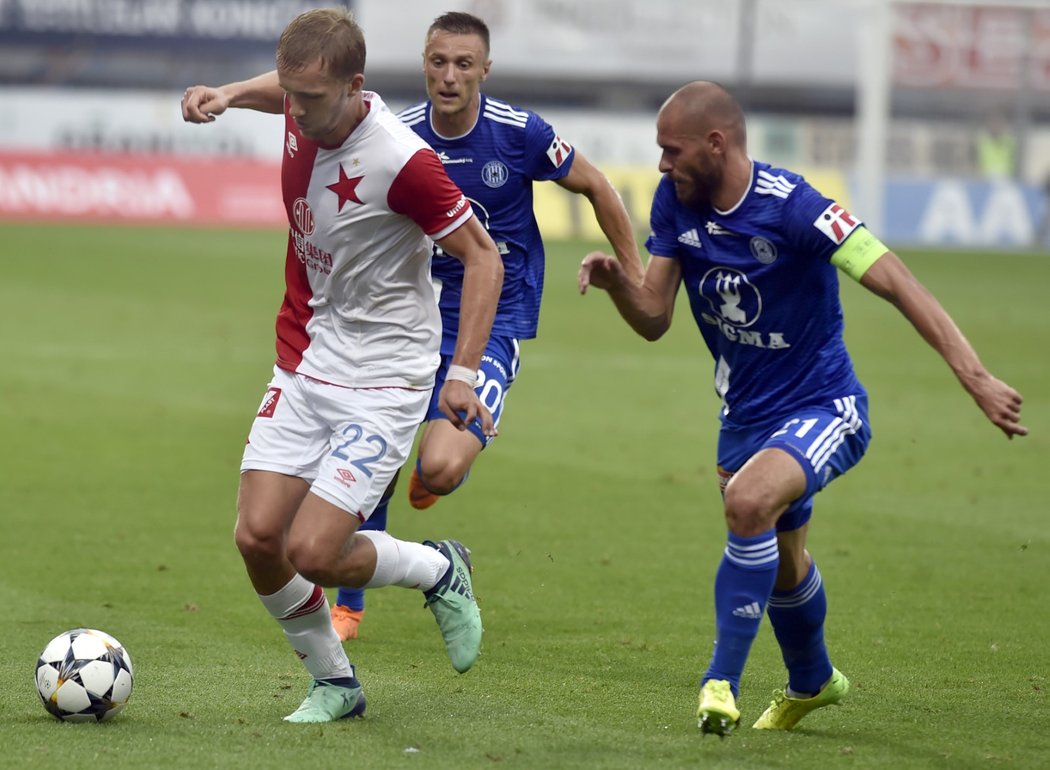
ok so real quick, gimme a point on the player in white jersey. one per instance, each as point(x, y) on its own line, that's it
point(494, 153)
point(757, 250)
point(357, 350)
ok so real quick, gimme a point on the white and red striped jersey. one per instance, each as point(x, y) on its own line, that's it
point(359, 308)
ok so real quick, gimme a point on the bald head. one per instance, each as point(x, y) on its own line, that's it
point(700, 107)
point(703, 143)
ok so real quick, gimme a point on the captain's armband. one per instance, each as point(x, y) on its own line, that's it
point(858, 253)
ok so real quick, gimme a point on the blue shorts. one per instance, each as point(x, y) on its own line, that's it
point(499, 368)
point(826, 440)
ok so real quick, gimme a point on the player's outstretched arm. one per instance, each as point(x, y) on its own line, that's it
point(889, 278)
point(585, 179)
point(482, 283)
point(646, 307)
point(202, 104)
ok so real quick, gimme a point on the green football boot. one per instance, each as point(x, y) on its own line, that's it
point(328, 702)
point(785, 712)
point(456, 611)
point(717, 713)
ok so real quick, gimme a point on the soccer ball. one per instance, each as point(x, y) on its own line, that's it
point(84, 675)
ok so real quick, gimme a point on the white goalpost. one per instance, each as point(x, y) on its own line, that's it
point(875, 87)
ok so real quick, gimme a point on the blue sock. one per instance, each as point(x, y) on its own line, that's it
point(354, 598)
point(742, 587)
point(798, 622)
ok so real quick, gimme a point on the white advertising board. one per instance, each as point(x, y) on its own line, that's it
point(626, 39)
point(122, 121)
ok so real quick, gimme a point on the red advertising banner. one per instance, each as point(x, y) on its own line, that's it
point(938, 46)
point(140, 189)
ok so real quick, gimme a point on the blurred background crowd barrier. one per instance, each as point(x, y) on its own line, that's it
point(930, 120)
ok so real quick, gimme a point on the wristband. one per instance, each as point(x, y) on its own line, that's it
point(463, 374)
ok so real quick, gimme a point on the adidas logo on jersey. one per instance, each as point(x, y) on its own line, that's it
point(752, 611)
point(690, 238)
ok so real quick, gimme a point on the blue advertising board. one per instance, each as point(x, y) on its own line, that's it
point(962, 212)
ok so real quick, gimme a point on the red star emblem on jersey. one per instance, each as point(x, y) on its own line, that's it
point(346, 188)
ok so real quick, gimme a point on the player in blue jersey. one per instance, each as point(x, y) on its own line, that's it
point(493, 152)
point(758, 251)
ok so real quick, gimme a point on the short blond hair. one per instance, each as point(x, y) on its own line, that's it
point(329, 34)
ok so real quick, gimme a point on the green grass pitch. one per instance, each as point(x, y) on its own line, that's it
point(133, 361)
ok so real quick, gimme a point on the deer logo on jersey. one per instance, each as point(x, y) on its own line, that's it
point(735, 304)
point(731, 296)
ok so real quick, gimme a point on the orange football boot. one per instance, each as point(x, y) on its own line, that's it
point(345, 621)
point(418, 495)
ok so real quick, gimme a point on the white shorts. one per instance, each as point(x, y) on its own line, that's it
point(348, 442)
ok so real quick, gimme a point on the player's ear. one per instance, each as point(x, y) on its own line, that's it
point(716, 141)
point(485, 70)
point(357, 82)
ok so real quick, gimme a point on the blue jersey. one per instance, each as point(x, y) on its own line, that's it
point(494, 164)
point(763, 292)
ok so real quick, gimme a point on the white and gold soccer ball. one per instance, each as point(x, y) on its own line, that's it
point(84, 675)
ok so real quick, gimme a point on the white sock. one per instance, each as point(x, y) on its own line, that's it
point(301, 609)
point(405, 564)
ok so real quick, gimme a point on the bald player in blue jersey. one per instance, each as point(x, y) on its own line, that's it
point(493, 152)
point(758, 251)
